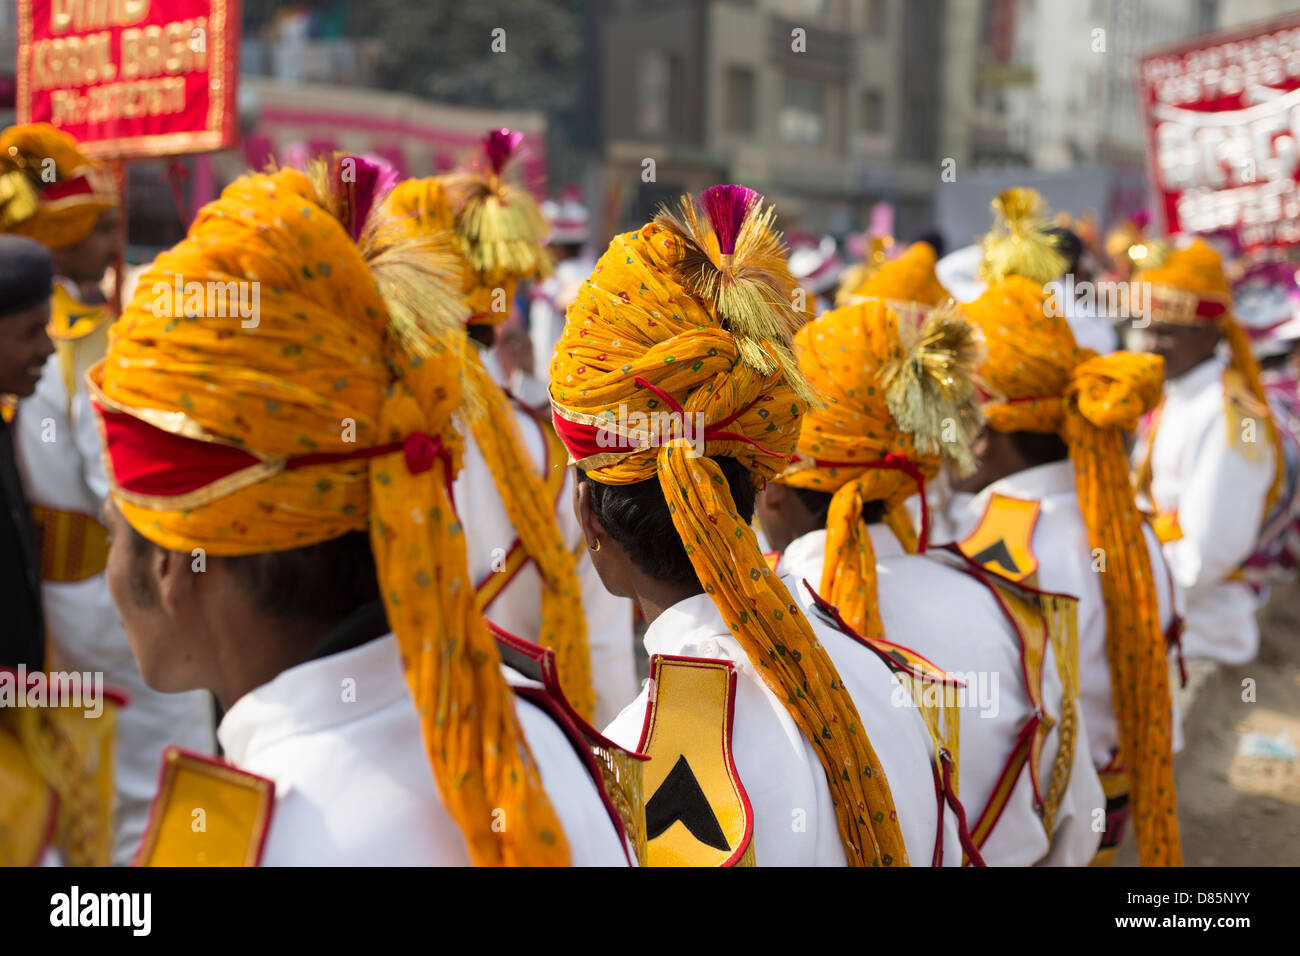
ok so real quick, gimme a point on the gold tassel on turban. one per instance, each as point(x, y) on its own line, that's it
point(329, 416)
point(1044, 383)
point(890, 390)
point(692, 316)
point(49, 190)
point(501, 229)
point(420, 207)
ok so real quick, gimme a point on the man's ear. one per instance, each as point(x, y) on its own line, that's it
point(173, 577)
point(592, 530)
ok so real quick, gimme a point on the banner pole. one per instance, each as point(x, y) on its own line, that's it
point(119, 264)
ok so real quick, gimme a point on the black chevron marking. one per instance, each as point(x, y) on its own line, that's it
point(997, 553)
point(679, 797)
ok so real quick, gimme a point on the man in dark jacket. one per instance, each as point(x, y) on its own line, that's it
point(26, 281)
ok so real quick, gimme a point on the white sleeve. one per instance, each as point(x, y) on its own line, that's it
point(1219, 510)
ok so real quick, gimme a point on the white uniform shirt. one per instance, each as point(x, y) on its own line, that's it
point(1219, 494)
point(967, 635)
point(518, 608)
point(1065, 566)
point(550, 300)
point(353, 786)
point(61, 465)
point(777, 765)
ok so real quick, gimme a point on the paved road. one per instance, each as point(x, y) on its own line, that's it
point(1237, 810)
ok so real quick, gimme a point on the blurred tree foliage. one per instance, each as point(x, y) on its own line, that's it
point(443, 49)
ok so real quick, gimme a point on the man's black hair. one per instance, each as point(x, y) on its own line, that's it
point(636, 516)
point(1068, 244)
point(818, 504)
point(323, 582)
point(1039, 448)
point(935, 240)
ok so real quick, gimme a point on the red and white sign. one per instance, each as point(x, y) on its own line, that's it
point(131, 77)
point(1222, 113)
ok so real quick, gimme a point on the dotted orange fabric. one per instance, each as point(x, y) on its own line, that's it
point(421, 206)
point(841, 353)
point(633, 318)
point(24, 151)
point(319, 369)
point(1045, 383)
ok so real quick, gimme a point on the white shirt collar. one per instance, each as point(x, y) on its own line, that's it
point(801, 552)
point(1191, 382)
point(313, 696)
point(809, 549)
point(695, 616)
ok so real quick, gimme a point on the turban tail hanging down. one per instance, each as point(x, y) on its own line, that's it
point(1039, 380)
point(689, 320)
point(332, 415)
point(424, 207)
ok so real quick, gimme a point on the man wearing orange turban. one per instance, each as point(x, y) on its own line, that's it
point(525, 547)
point(677, 395)
point(285, 536)
point(1207, 458)
point(52, 192)
point(898, 395)
point(1053, 506)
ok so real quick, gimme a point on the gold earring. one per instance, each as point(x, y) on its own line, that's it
point(594, 547)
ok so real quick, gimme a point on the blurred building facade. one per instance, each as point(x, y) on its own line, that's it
point(827, 106)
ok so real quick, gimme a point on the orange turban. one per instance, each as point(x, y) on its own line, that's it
point(501, 228)
point(908, 280)
point(1187, 287)
point(1045, 383)
point(892, 387)
point(49, 190)
point(332, 414)
point(689, 320)
point(420, 207)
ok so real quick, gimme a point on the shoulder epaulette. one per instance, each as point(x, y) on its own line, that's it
point(698, 813)
point(206, 813)
point(1002, 540)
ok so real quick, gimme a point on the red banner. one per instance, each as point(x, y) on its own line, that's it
point(1222, 113)
point(131, 77)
